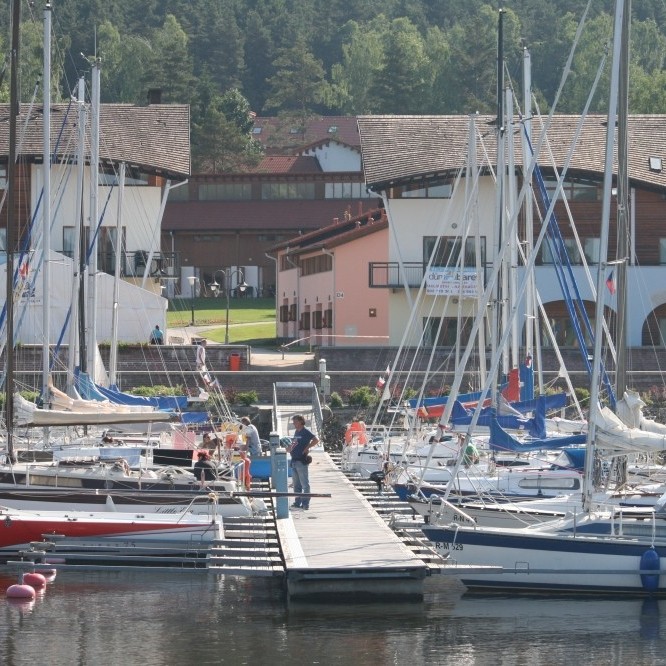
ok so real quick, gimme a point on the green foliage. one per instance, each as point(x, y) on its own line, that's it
point(349, 56)
point(362, 396)
point(583, 396)
point(247, 398)
point(157, 390)
point(335, 400)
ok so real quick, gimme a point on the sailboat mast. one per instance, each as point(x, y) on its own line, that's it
point(603, 255)
point(499, 193)
point(46, 203)
point(74, 323)
point(12, 224)
point(622, 208)
point(113, 360)
point(94, 221)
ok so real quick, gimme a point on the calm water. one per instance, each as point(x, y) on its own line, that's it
point(161, 619)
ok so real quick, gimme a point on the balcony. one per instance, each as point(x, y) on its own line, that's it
point(391, 275)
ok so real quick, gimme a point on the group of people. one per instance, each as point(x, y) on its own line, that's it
point(252, 448)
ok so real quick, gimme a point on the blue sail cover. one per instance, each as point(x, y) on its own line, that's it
point(500, 440)
point(194, 418)
point(91, 391)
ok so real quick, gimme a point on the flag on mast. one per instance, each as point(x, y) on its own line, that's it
point(610, 283)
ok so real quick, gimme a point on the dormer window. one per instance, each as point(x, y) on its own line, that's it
point(332, 129)
point(256, 130)
point(655, 164)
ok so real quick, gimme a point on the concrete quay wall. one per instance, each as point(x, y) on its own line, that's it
point(347, 368)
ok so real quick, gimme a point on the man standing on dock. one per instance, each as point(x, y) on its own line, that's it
point(302, 442)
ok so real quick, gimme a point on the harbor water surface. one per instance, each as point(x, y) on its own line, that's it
point(154, 618)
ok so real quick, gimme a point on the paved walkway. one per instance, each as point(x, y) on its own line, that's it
point(260, 355)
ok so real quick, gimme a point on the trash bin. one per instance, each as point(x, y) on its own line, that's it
point(234, 361)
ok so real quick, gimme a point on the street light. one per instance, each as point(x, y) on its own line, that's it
point(193, 280)
point(242, 286)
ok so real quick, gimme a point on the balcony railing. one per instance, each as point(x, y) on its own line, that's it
point(133, 264)
point(390, 274)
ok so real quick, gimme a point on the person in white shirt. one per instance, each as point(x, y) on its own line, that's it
point(252, 439)
point(201, 355)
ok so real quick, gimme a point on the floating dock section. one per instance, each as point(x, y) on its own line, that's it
point(341, 547)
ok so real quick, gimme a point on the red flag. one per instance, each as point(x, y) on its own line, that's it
point(610, 283)
point(23, 269)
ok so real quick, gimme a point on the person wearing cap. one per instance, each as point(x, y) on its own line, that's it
point(204, 467)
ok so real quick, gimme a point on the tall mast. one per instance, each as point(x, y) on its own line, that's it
point(93, 220)
point(77, 325)
point(12, 224)
point(113, 360)
point(622, 208)
point(603, 255)
point(46, 203)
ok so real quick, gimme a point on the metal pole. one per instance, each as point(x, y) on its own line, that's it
point(193, 292)
point(226, 327)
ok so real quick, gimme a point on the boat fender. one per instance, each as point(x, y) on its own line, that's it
point(20, 590)
point(650, 562)
point(35, 580)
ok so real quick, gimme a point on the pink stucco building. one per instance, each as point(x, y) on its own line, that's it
point(323, 293)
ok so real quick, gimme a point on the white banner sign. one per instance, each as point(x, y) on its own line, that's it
point(461, 282)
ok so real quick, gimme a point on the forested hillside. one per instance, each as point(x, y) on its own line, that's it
point(227, 57)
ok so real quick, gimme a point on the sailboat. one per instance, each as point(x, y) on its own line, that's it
point(598, 548)
point(19, 480)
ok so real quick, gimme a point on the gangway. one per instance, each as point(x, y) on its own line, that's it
point(292, 398)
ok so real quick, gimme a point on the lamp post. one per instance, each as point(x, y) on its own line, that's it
point(242, 286)
point(193, 280)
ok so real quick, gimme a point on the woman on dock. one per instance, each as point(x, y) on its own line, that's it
point(302, 442)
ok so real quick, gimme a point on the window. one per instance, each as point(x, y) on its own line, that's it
point(287, 262)
point(571, 249)
point(3, 240)
point(272, 191)
point(181, 193)
point(332, 129)
point(347, 191)
point(256, 130)
point(447, 251)
point(662, 251)
point(317, 320)
point(574, 190)
point(436, 188)
point(305, 321)
point(284, 314)
point(106, 248)
point(591, 249)
point(327, 319)
point(293, 312)
point(225, 191)
point(446, 334)
point(320, 263)
point(3, 176)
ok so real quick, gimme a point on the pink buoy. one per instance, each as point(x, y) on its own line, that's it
point(20, 592)
point(35, 580)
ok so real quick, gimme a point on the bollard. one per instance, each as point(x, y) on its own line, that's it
point(274, 440)
point(281, 482)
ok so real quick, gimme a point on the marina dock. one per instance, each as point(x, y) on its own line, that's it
point(341, 546)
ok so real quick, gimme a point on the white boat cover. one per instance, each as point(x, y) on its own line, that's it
point(29, 414)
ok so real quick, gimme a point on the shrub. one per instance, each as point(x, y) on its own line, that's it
point(362, 396)
point(247, 398)
point(151, 391)
point(335, 401)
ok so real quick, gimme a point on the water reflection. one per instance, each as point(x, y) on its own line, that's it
point(154, 618)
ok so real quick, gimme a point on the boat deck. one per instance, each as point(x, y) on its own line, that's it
point(341, 546)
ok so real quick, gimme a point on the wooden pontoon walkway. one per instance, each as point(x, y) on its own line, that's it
point(341, 547)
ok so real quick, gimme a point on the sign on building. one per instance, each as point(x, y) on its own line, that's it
point(460, 282)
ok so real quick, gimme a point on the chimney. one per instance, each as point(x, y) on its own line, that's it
point(154, 95)
point(336, 220)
